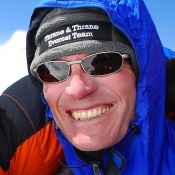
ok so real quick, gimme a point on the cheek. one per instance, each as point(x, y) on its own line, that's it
point(128, 93)
point(121, 84)
point(51, 94)
point(123, 87)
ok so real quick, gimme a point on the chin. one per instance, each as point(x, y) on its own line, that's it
point(88, 144)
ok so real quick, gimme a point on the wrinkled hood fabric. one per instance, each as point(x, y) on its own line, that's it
point(152, 151)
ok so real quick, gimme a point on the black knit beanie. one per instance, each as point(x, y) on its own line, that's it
point(72, 31)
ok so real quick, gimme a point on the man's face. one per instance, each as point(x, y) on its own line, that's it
point(93, 112)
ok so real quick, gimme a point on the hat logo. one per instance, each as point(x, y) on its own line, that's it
point(76, 32)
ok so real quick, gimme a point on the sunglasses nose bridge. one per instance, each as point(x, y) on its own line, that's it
point(72, 63)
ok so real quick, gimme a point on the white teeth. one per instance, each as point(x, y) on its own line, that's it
point(95, 113)
point(88, 114)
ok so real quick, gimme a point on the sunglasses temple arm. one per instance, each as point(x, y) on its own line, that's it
point(124, 56)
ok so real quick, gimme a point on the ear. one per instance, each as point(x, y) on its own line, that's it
point(170, 86)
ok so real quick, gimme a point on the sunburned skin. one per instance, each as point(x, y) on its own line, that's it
point(87, 109)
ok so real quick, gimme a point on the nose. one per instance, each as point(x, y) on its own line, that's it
point(80, 85)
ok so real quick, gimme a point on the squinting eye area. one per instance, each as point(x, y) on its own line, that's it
point(53, 71)
point(100, 64)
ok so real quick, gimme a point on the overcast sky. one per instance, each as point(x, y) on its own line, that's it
point(14, 20)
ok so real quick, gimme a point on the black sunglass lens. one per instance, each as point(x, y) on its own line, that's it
point(102, 64)
point(53, 71)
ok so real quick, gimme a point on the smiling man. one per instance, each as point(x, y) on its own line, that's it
point(100, 66)
point(85, 105)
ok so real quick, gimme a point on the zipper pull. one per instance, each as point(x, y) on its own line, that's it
point(96, 169)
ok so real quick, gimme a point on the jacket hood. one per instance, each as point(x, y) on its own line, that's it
point(147, 152)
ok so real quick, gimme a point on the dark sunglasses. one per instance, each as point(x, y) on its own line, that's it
point(98, 64)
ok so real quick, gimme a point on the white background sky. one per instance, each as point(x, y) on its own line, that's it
point(14, 20)
point(12, 62)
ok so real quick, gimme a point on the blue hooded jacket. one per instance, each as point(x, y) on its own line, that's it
point(151, 150)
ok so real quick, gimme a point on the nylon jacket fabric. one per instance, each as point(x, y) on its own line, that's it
point(169, 53)
point(152, 151)
point(28, 144)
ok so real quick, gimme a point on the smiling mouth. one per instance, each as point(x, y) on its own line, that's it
point(89, 114)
